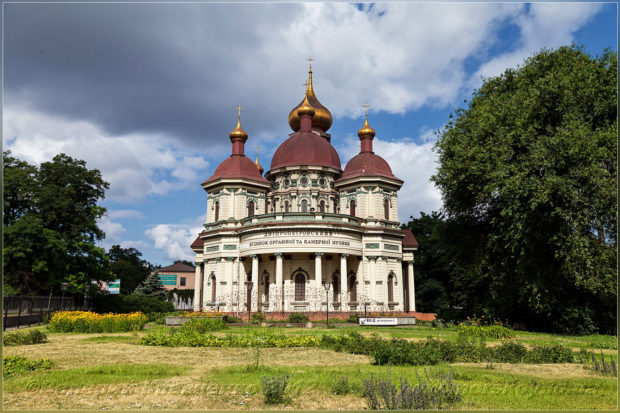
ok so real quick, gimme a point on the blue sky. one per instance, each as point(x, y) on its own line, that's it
point(146, 93)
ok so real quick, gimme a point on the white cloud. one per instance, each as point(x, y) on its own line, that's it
point(175, 239)
point(132, 164)
point(113, 231)
point(549, 25)
point(125, 214)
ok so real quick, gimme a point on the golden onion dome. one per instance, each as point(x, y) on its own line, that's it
point(238, 134)
point(366, 131)
point(322, 118)
point(258, 165)
point(306, 108)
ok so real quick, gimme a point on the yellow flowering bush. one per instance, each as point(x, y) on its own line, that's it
point(89, 322)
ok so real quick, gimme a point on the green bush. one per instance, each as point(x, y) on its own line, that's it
point(19, 338)
point(16, 365)
point(491, 332)
point(257, 318)
point(353, 318)
point(341, 385)
point(554, 353)
point(297, 318)
point(509, 352)
point(229, 319)
point(274, 388)
point(202, 325)
point(117, 303)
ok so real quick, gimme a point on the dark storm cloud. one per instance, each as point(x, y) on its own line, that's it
point(180, 69)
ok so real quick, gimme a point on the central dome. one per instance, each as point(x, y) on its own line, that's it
point(322, 118)
point(306, 148)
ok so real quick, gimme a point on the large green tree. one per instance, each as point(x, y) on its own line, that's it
point(50, 224)
point(529, 167)
point(128, 266)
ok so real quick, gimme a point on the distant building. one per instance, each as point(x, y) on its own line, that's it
point(179, 276)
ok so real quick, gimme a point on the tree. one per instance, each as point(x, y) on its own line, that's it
point(126, 265)
point(152, 287)
point(530, 167)
point(50, 224)
point(191, 264)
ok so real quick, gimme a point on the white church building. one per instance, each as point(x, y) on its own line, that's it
point(307, 233)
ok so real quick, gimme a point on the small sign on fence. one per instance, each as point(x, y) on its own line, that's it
point(114, 287)
point(378, 321)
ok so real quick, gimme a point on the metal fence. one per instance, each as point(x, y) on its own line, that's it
point(19, 311)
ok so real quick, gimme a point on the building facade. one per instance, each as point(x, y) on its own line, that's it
point(177, 276)
point(307, 234)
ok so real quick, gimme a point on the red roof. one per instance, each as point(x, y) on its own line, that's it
point(237, 166)
point(367, 164)
point(306, 148)
point(177, 267)
point(409, 241)
point(198, 243)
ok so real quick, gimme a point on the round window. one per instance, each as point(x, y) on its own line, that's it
point(304, 180)
point(287, 182)
point(322, 181)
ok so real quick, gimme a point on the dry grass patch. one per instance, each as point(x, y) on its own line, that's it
point(544, 371)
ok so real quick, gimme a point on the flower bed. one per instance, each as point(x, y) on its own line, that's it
point(89, 322)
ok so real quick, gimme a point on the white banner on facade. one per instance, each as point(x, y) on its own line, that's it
point(378, 321)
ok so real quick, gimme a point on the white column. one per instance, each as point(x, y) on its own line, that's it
point(384, 277)
point(255, 281)
point(229, 280)
point(197, 285)
point(369, 200)
point(373, 280)
point(411, 286)
point(343, 281)
point(206, 292)
point(401, 285)
point(232, 203)
point(318, 278)
point(278, 290)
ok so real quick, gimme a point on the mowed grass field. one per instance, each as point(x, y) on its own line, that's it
point(110, 371)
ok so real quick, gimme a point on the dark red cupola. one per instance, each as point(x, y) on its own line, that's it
point(237, 165)
point(367, 163)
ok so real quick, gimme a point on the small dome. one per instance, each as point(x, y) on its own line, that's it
point(238, 134)
point(322, 118)
point(235, 167)
point(367, 164)
point(366, 131)
point(305, 108)
point(258, 165)
point(306, 148)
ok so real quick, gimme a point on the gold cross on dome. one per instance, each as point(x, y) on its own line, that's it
point(256, 148)
point(306, 84)
point(310, 59)
point(239, 108)
point(366, 109)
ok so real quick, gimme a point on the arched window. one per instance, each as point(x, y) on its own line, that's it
point(251, 208)
point(300, 287)
point(217, 211)
point(386, 209)
point(352, 289)
point(322, 206)
point(304, 206)
point(390, 288)
point(213, 297)
point(285, 206)
point(352, 208)
point(336, 288)
point(335, 206)
point(266, 288)
point(266, 206)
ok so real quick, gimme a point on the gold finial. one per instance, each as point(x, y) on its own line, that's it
point(310, 60)
point(366, 131)
point(238, 133)
point(258, 165)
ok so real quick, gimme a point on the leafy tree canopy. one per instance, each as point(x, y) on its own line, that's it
point(529, 168)
point(128, 266)
point(50, 224)
point(152, 287)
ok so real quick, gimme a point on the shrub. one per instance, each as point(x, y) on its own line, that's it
point(88, 322)
point(231, 319)
point(495, 331)
point(202, 325)
point(18, 338)
point(15, 365)
point(297, 318)
point(428, 394)
point(341, 385)
point(353, 318)
point(257, 318)
point(117, 303)
point(274, 388)
point(509, 352)
point(555, 353)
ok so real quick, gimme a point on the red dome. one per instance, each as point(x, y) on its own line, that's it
point(237, 166)
point(367, 164)
point(306, 148)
